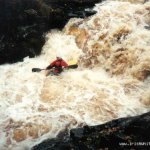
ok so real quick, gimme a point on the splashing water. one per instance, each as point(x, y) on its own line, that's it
point(35, 107)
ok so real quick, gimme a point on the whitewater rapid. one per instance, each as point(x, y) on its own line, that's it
point(34, 107)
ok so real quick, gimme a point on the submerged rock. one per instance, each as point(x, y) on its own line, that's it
point(123, 133)
point(24, 22)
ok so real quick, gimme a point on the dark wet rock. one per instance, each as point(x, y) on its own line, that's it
point(147, 27)
point(124, 133)
point(23, 24)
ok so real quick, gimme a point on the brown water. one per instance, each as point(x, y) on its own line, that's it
point(113, 52)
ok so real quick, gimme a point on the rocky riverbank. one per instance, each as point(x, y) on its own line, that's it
point(123, 133)
point(23, 24)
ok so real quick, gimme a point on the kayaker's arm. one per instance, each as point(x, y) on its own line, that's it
point(51, 65)
point(64, 64)
point(48, 67)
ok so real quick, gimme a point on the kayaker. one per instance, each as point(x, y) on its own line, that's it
point(56, 67)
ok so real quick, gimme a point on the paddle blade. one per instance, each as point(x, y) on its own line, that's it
point(36, 69)
point(73, 66)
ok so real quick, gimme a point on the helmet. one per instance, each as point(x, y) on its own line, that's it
point(58, 57)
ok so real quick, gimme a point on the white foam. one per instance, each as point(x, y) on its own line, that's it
point(81, 96)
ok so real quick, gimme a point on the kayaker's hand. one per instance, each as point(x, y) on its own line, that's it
point(48, 67)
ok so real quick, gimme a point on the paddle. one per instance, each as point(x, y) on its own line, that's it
point(37, 69)
point(69, 67)
point(73, 66)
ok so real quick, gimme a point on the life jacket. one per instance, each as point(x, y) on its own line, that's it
point(58, 64)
